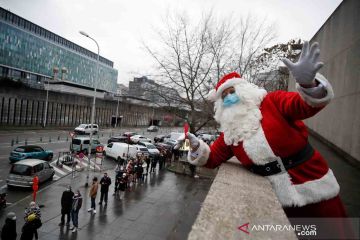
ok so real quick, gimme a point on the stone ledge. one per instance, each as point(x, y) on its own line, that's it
point(237, 197)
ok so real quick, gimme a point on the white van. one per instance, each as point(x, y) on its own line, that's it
point(86, 129)
point(120, 151)
point(81, 144)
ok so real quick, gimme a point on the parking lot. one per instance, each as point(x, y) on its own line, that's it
point(59, 142)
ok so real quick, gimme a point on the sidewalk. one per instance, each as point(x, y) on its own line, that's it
point(164, 207)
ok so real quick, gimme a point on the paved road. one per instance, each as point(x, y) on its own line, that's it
point(164, 207)
point(60, 142)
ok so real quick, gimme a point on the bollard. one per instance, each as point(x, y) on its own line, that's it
point(40, 139)
point(67, 138)
point(49, 139)
point(17, 139)
point(12, 142)
point(59, 138)
point(25, 141)
point(102, 135)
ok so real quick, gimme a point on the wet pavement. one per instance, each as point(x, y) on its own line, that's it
point(164, 207)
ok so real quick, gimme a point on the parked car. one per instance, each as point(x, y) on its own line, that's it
point(170, 142)
point(139, 138)
point(153, 151)
point(30, 151)
point(163, 146)
point(160, 138)
point(142, 150)
point(120, 151)
point(206, 137)
point(122, 139)
point(153, 128)
point(83, 129)
point(129, 134)
point(81, 144)
point(22, 173)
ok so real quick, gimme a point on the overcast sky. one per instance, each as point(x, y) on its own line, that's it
point(120, 26)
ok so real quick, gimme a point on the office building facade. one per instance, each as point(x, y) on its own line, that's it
point(31, 53)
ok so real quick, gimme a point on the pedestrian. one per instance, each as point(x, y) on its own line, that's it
point(119, 170)
point(75, 208)
point(161, 159)
point(153, 163)
point(92, 194)
point(32, 222)
point(66, 202)
point(8, 231)
point(139, 172)
point(147, 160)
point(122, 185)
point(105, 182)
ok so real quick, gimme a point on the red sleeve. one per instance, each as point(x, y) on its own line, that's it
point(292, 106)
point(219, 153)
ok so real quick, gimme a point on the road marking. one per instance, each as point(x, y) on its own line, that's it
point(56, 177)
point(67, 168)
point(59, 171)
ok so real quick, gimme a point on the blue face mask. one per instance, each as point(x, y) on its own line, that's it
point(231, 99)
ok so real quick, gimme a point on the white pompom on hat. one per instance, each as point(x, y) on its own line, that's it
point(11, 215)
point(229, 80)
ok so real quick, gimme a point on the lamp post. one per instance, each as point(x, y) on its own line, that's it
point(117, 111)
point(93, 105)
point(55, 71)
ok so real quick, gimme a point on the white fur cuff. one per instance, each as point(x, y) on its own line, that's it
point(201, 155)
point(317, 102)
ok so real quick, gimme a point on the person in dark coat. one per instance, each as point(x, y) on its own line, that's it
point(105, 182)
point(32, 222)
point(75, 208)
point(66, 202)
point(8, 231)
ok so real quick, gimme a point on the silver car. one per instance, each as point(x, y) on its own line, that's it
point(23, 172)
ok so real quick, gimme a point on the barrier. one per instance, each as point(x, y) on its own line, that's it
point(237, 200)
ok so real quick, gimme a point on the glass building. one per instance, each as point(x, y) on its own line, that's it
point(30, 52)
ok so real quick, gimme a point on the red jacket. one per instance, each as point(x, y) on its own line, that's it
point(282, 134)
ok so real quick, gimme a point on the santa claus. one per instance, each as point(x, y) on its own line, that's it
point(265, 132)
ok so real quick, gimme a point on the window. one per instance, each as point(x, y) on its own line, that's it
point(38, 168)
point(86, 141)
point(20, 169)
point(110, 145)
point(46, 165)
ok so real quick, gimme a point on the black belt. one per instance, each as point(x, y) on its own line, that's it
point(274, 167)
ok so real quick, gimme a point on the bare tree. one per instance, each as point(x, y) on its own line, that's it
point(193, 57)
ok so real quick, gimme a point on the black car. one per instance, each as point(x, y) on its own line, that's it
point(163, 146)
point(129, 134)
point(122, 139)
point(160, 138)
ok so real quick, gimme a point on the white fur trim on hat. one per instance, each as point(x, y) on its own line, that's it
point(313, 101)
point(201, 154)
point(229, 83)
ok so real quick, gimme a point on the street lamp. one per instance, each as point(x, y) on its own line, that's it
point(117, 111)
point(55, 71)
point(93, 105)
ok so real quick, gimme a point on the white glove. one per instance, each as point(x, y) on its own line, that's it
point(194, 142)
point(305, 69)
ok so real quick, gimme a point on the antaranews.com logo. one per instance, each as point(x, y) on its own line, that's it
point(300, 230)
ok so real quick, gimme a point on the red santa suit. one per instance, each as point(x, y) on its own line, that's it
point(306, 190)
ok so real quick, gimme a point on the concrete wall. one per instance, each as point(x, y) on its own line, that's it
point(25, 107)
point(339, 39)
point(238, 197)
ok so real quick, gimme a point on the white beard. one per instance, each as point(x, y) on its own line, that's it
point(242, 120)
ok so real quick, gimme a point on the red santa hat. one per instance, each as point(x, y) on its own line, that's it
point(229, 80)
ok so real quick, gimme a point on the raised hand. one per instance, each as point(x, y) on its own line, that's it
point(305, 69)
point(194, 142)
